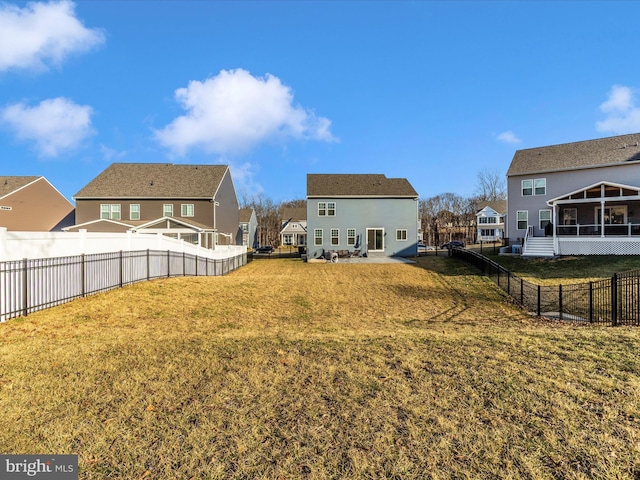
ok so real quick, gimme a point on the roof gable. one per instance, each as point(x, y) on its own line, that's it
point(577, 155)
point(155, 180)
point(9, 185)
point(245, 215)
point(294, 214)
point(358, 185)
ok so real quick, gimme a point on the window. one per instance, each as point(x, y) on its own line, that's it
point(544, 217)
point(245, 228)
point(335, 237)
point(522, 217)
point(187, 210)
point(287, 239)
point(487, 220)
point(317, 236)
point(167, 210)
point(111, 211)
point(351, 236)
point(326, 209)
point(534, 187)
point(487, 232)
point(570, 216)
point(134, 211)
point(613, 215)
point(401, 234)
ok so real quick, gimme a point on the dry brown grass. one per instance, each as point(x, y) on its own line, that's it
point(290, 370)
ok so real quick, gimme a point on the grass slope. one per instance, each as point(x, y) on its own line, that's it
point(290, 370)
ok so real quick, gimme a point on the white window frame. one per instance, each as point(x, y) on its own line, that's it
point(110, 211)
point(401, 235)
point(525, 219)
point(540, 219)
point(187, 210)
point(322, 209)
point(331, 209)
point(621, 207)
point(527, 190)
point(134, 211)
point(540, 184)
point(317, 237)
point(351, 237)
point(335, 237)
point(167, 210)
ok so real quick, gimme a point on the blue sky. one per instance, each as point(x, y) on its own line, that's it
point(431, 91)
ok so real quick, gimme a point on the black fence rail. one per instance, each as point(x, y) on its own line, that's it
point(614, 301)
point(27, 285)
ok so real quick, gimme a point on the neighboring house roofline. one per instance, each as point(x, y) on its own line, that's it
point(196, 225)
point(99, 220)
point(576, 168)
point(35, 180)
point(592, 200)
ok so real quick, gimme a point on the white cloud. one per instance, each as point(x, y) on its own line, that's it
point(111, 154)
point(623, 116)
point(42, 34)
point(508, 137)
point(55, 125)
point(234, 111)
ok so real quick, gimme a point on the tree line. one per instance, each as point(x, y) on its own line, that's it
point(443, 217)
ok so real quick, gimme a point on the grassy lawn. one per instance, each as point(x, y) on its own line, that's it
point(290, 370)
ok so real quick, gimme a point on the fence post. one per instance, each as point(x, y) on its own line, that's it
point(560, 300)
point(168, 263)
point(614, 299)
point(196, 265)
point(148, 265)
point(538, 300)
point(25, 288)
point(83, 274)
point(121, 268)
point(590, 302)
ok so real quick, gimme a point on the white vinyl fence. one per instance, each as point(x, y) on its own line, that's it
point(34, 283)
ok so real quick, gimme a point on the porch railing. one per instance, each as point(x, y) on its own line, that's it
point(593, 230)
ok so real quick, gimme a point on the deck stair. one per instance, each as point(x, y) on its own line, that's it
point(538, 247)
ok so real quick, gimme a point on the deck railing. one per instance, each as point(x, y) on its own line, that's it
point(618, 230)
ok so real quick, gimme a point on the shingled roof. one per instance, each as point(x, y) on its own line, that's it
point(358, 185)
point(11, 184)
point(294, 214)
point(245, 215)
point(577, 155)
point(155, 180)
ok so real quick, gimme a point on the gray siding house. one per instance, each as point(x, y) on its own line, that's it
point(580, 198)
point(366, 212)
point(249, 227)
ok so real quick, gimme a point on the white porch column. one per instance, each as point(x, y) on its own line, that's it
point(554, 223)
point(602, 218)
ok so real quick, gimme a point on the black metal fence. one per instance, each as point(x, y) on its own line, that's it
point(614, 301)
point(30, 285)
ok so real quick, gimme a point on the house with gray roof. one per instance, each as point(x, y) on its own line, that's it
point(196, 203)
point(369, 213)
point(294, 227)
point(32, 204)
point(580, 198)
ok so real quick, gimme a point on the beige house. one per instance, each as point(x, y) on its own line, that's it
point(196, 203)
point(32, 204)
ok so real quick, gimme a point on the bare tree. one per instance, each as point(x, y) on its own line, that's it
point(491, 186)
point(268, 216)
